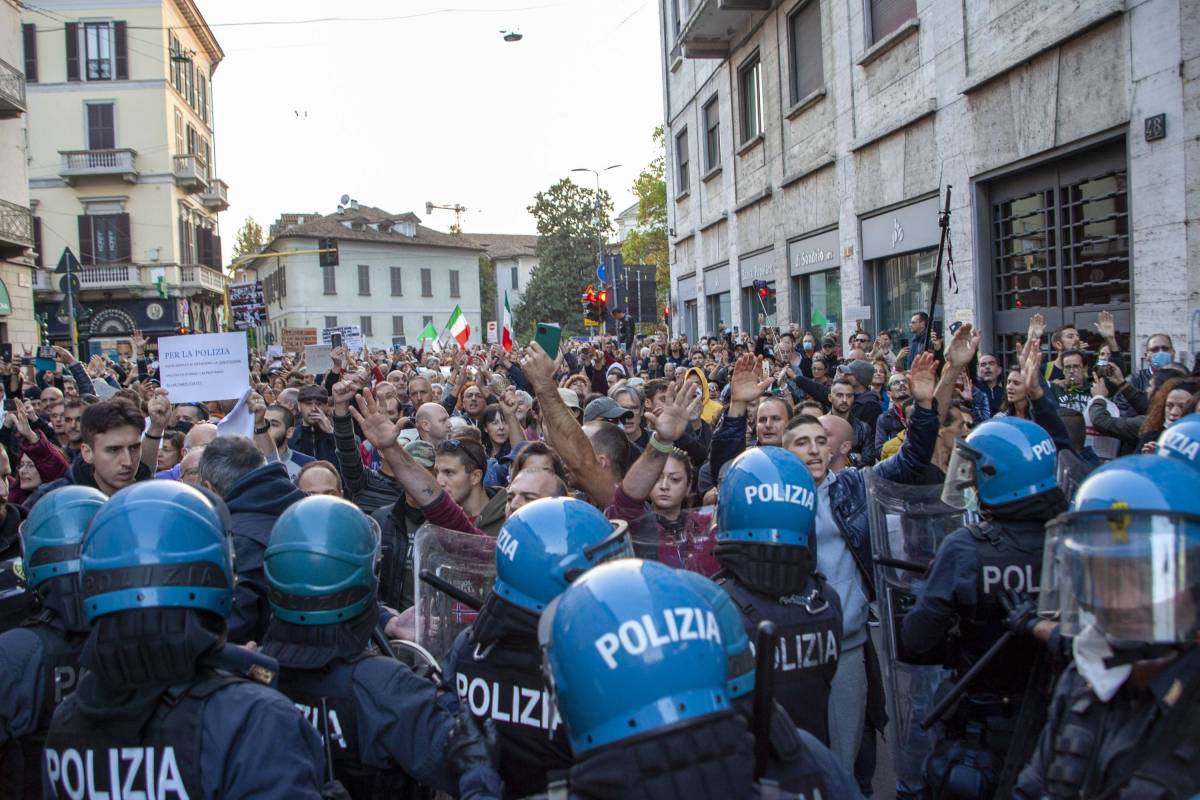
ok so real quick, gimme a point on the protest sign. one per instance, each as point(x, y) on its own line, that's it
point(351, 336)
point(246, 305)
point(274, 351)
point(294, 339)
point(316, 358)
point(204, 366)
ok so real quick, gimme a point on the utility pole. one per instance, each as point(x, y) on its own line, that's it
point(600, 234)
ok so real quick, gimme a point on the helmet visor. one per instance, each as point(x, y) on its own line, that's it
point(960, 475)
point(1134, 575)
point(616, 545)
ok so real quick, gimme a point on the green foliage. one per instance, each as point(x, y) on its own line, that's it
point(487, 291)
point(647, 243)
point(569, 228)
point(249, 239)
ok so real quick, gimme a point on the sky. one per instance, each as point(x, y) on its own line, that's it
point(435, 107)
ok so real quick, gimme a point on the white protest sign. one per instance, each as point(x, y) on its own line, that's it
point(204, 366)
point(274, 351)
point(316, 358)
point(853, 313)
point(491, 333)
point(351, 336)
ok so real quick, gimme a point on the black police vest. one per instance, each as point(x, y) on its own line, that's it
point(16, 603)
point(89, 758)
point(59, 676)
point(1010, 557)
point(504, 683)
point(326, 698)
point(810, 644)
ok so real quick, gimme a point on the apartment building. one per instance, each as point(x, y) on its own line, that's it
point(16, 220)
point(810, 143)
point(386, 273)
point(122, 165)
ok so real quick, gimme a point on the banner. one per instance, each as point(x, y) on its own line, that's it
point(246, 305)
point(294, 339)
point(351, 337)
point(204, 366)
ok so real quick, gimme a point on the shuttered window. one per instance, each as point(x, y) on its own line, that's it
point(29, 39)
point(426, 282)
point(102, 128)
point(329, 274)
point(364, 279)
point(104, 239)
point(804, 42)
point(454, 283)
point(397, 281)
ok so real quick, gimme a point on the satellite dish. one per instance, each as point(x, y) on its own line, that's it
point(512, 36)
point(345, 200)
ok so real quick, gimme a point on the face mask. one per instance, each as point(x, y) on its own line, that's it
point(1091, 648)
point(1160, 359)
point(808, 346)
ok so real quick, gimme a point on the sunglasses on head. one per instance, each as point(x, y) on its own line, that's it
point(454, 445)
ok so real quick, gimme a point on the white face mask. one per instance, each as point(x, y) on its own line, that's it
point(1091, 648)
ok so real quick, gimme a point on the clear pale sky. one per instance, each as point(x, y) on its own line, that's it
point(435, 107)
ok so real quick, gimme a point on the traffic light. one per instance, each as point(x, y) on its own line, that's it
point(602, 300)
point(591, 311)
point(764, 289)
point(667, 315)
point(181, 330)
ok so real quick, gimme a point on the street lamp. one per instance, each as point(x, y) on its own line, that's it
point(599, 234)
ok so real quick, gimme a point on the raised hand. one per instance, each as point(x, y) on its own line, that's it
point(683, 402)
point(158, 408)
point(65, 355)
point(1037, 326)
point(342, 393)
point(922, 378)
point(963, 346)
point(744, 384)
point(258, 407)
point(1031, 369)
point(138, 342)
point(1106, 326)
point(374, 423)
point(539, 369)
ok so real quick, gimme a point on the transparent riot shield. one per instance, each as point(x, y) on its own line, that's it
point(468, 561)
point(908, 524)
point(1070, 471)
point(685, 542)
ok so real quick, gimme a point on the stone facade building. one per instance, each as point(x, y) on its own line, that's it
point(810, 142)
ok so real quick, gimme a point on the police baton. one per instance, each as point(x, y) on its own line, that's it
point(964, 682)
point(765, 639)
point(450, 589)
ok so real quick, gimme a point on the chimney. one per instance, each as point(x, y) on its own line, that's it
point(354, 205)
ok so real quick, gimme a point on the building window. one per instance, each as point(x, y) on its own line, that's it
point(330, 257)
point(177, 61)
point(397, 281)
point(331, 321)
point(330, 275)
point(454, 283)
point(104, 238)
point(425, 321)
point(819, 300)
point(718, 310)
point(804, 43)
point(516, 277)
point(397, 325)
point(202, 100)
point(712, 135)
point(750, 98)
point(102, 126)
point(426, 282)
point(364, 325)
point(364, 279)
point(681, 15)
point(888, 15)
point(180, 144)
point(681, 162)
point(105, 55)
point(29, 40)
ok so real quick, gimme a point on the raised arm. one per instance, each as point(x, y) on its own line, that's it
point(382, 433)
point(669, 425)
point(158, 409)
point(959, 353)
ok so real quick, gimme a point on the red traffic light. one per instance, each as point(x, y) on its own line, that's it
point(666, 311)
point(762, 292)
point(590, 295)
point(602, 297)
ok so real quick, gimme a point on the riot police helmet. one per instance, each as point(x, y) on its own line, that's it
point(1181, 441)
point(733, 633)
point(1003, 460)
point(767, 497)
point(52, 533)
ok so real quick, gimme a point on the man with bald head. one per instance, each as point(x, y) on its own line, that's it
point(433, 422)
point(195, 439)
point(841, 441)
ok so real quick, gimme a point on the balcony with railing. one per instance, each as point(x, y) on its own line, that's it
point(713, 26)
point(190, 172)
point(104, 278)
point(120, 162)
point(12, 91)
point(216, 196)
point(16, 229)
point(201, 277)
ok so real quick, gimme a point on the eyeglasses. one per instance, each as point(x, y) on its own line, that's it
point(455, 445)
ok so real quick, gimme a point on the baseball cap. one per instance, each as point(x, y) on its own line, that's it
point(313, 392)
point(570, 397)
point(861, 371)
point(603, 408)
point(422, 452)
point(829, 341)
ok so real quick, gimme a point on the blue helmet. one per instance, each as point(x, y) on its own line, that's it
point(1006, 459)
point(1181, 441)
point(51, 534)
point(320, 562)
point(740, 665)
point(767, 497)
point(547, 544)
point(1139, 483)
point(137, 545)
point(629, 648)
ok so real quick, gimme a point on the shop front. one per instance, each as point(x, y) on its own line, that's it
point(758, 302)
point(899, 248)
point(814, 269)
point(689, 323)
point(718, 310)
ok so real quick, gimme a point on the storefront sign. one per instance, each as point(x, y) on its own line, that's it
point(205, 366)
point(716, 280)
point(687, 288)
point(757, 267)
point(902, 230)
point(814, 253)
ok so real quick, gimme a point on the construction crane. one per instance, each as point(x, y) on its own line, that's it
point(458, 210)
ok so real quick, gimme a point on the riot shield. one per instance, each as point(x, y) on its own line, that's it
point(908, 524)
point(685, 542)
point(1070, 471)
point(468, 561)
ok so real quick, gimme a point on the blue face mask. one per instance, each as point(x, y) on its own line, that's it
point(1160, 359)
point(808, 346)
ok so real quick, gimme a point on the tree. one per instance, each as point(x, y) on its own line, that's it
point(647, 243)
point(249, 238)
point(569, 225)
point(487, 291)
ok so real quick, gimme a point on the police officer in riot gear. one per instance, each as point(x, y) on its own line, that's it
point(39, 661)
point(1005, 469)
point(379, 720)
point(1181, 441)
point(768, 555)
point(153, 712)
point(494, 667)
point(1125, 716)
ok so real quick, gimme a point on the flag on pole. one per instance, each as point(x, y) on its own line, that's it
point(458, 327)
point(430, 333)
point(506, 333)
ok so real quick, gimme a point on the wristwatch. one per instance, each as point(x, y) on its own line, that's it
point(263, 429)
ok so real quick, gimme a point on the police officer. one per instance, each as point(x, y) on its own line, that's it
point(495, 665)
point(1181, 441)
point(766, 508)
point(152, 714)
point(1005, 470)
point(378, 719)
point(639, 671)
point(1125, 716)
point(795, 755)
point(39, 661)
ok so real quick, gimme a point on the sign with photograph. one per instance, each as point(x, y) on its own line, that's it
point(246, 306)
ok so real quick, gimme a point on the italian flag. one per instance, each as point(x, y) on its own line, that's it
point(506, 326)
point(458, 327)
